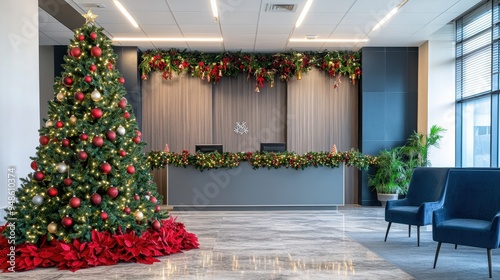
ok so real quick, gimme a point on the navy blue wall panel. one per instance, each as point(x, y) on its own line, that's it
point(388, 104)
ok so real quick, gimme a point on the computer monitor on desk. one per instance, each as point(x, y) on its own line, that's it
point(209, 148)
point(273, 147)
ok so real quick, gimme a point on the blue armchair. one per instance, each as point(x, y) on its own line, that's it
point(425, 194)
point(470, 214)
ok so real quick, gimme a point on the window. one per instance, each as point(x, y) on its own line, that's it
point(476, 123)
point(477, 85)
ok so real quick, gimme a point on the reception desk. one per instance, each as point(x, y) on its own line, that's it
point(188, 188)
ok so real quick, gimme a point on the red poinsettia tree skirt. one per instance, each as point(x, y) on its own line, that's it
point(103, 249)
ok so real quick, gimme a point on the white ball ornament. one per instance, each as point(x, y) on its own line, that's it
point(146, 197)
point(37, 200)
point(120, 130)
point(62, 167)
point(95, 95)
point(138, 215)
point(49, 123)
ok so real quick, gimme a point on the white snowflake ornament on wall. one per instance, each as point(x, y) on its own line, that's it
point(241, 128)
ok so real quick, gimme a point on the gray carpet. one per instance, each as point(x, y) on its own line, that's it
point(463, 263)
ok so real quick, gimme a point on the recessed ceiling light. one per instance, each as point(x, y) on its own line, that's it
point(213, 3)
point(303, 13)
point(329, 40)
point(389, 15)
point(126, 13)
point(142, 39)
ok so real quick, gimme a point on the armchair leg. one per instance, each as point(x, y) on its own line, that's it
point(489, 260)
point(409, 230)
point(456, 245)
point(418, 236)
point(437, 254)
point(387, 232)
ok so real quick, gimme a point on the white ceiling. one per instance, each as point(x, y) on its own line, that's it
point(246, 25)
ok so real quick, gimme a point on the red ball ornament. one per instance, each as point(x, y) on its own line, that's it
point(113, 192)
point(121, 80)
point(104, 216)
point(79, 96)
point(87, 79)
point(110, 66)
point(153, 199)
point(105, 168)
point(96, 199)
point(55, 140)
point(136, 139)
point(111, 135)
point(84, 137)
point(92, 67)
point(68, 181)
point(44, 140)
point(130, 169)
point(39, 175)
point(148, 193)
point(122, 103)
point(96, 113)
point(138, 133)
point(67, 81)
point(157, 208)
point(96, 51)
point(67, 222)
point(144, 77)
point(82, 155)
point(52, 192)
point(126, 210)
point(75, 202)
point(122, 153)
point(34, 165)
point(136, 197)
point(97, 141)
point(93, 35)
point(65, 142)
point(59, 124)
point(156, 225)
point(75, 52)
point(126, 115)
point(80, 37)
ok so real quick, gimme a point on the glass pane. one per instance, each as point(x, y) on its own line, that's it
point(476, 133)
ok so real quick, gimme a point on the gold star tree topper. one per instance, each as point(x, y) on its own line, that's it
point(89, 17)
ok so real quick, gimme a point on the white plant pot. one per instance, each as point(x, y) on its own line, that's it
point(384, 197)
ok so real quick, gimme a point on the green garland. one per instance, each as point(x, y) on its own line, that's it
point(160, 159)
point(214, 66)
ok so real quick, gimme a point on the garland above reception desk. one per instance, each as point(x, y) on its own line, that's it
point(213, 66)
point(200, 161)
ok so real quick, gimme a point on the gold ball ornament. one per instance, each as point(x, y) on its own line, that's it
point(72, 119)
point(52, 227)
point(60, 96)
point(95, 95)
point(49, 123)
point(138, 215)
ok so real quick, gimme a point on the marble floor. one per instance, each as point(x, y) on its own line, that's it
point(261, 245)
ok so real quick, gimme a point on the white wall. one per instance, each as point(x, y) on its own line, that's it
point(437, 92)
point(19, 105)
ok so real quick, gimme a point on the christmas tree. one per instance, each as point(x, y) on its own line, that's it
point(90, 173)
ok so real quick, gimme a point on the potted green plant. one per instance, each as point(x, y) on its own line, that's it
point(416, 151)
point(390, 175)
